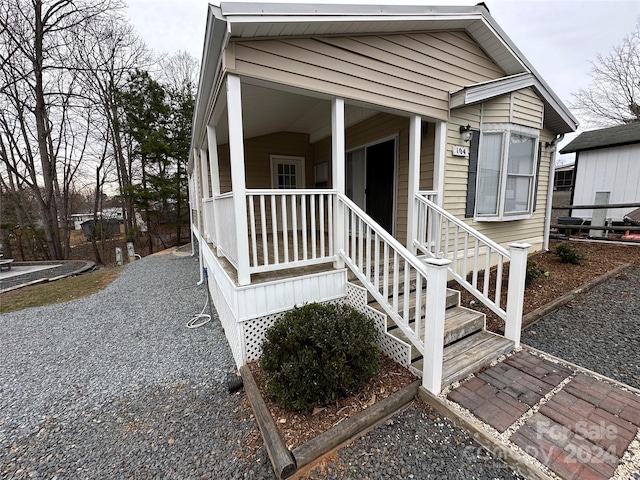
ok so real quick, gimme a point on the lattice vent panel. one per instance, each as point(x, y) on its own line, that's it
point(254, 333)
point(229, 324)
point(395, 349)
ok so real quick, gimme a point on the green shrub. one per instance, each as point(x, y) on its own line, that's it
point(316, 354)
point(533, 272)
point(569, 254)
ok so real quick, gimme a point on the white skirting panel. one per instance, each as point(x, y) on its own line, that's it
point(246, 312)
point(273, 297)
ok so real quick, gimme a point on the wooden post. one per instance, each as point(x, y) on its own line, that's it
point(434, 325)
point(515, 291)
point(236, 153)
point(338, 175)
point(415, 133)
point(214, 171)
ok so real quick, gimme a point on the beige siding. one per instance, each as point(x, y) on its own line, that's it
point(497, 110)
point(412, 72)
point(527, 108)
point(257, 153)
point(530, 230)
point(377, 128)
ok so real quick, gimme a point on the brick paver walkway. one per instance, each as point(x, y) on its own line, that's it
point(577, 425)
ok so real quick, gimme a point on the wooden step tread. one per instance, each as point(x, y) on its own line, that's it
point(470, 355)
point(453, 299)
point(459, 322)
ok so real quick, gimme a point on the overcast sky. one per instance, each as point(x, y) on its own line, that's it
point(559, 37)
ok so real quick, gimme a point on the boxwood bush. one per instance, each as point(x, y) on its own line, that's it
point(317, 353)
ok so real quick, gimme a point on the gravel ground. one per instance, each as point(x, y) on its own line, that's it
point(115, 385)
point(131, 392)
point(600, 330)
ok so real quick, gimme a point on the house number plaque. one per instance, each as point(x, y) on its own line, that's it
point(460, 151)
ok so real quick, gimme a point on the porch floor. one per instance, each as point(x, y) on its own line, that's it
point(274, 275)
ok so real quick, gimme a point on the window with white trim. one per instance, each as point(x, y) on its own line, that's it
point(506, 175)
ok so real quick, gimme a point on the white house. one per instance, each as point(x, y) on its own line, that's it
point(369, 154)
point(607, 170)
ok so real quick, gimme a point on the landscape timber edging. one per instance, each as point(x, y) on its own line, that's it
point(498, 449)
point(354, 426)
point(281, 459)
point(537, 314)
point(286, 463)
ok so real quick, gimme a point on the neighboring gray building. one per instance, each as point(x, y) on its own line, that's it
point(607, 169)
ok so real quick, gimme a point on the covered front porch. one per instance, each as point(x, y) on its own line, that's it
point(299, 193)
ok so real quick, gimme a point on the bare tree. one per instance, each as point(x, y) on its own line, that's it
point(39, 87)
point(614, 95)
point(108, 51)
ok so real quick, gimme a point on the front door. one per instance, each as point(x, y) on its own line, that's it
point(370, 180)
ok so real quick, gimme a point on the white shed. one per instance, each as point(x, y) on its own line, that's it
point(607, 169)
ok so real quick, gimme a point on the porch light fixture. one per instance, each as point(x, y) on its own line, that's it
point(465, 133)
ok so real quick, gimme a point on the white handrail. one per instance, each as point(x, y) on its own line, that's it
point(366, 261)
point(431, 242)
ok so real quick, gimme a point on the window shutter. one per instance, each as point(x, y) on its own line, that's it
point(473, 174)
point(535, 192)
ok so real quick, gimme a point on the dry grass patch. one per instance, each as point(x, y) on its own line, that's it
point(59, 291)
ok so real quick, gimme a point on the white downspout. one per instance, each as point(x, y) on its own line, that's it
point(552, 171)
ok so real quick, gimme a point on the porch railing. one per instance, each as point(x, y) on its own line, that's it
point(441, 235)
point(387, 269)
point(225, 215)
point(289, 228)
point(209, 220)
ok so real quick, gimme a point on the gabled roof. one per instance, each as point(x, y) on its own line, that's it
point(605, 138)
point(265, 20)
point(556, 115)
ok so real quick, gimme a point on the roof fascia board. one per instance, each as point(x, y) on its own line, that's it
point(216, 38)
point(569, 149)
point(486, 90)
point(546, 89)
point(318, 10)
point(494, 88)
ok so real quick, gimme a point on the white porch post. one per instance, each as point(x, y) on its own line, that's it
point(415, 133)
point(515, 291)
point(191, 195)
point(434, 333)
point(205, 192)
point(439, 160)
point(214, 171)
point(205, 174)
point(236, 153)
point(338, 175)
point(197, 169)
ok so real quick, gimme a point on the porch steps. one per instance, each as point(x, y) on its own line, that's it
point(469, 355)
point(467, 345)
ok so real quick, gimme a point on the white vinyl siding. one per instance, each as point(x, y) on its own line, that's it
point(615, 170)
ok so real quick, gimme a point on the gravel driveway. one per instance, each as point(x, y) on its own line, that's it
point(115, 385)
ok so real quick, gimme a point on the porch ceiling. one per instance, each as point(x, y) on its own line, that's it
point(267, 110)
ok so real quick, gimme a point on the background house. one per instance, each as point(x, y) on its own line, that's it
point(563, 177)
point(607, 169)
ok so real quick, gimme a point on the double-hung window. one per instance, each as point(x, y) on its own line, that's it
point(506, 175)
